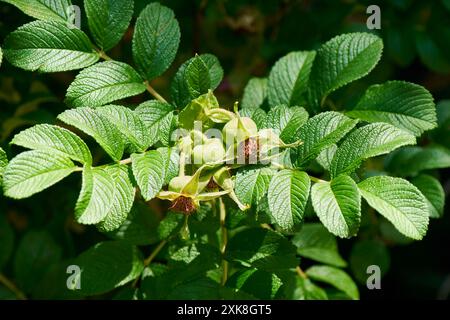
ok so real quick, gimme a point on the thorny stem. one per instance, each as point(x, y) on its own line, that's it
point(11, 286)
point(154, 93)
point(223, 246)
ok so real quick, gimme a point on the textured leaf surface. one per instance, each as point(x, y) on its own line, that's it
point(252, 183)
point(129, 124)
point(255, 93)
point(49, 47)
point(33, 171)
point(155, 40)
point(289, 77)
point(108, 20)
point(158, 119)
point(96, 197)
point(316, 243)
point(367, 142)
point(258, 115)
point(398, 201)
point(98, 127)
point(288, 193)
point(342, 60)
point(54, 139)
point(108, 265)
point(338, 205)
point(3, 164)
point(432, 189)
point(405, 105)
point(149, 172)
point(170, 162)
point(194, 77)
point(307, 290)
point(320, 132)
point(286, 121)
point(103, 83)
point(122, 200)
point(334, 277)
point(50, 10)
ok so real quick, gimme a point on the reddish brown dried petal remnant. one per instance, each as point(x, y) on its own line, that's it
point(250, 148)
point(184, 205)
point(212, 184)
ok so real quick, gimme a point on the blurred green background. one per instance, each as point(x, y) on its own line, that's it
point(248, 36)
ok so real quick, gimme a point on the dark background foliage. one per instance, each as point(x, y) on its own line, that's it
point(248, 36)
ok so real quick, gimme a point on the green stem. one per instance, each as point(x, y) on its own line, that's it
point(103, 55)
point(223, 247)
point(314, 179)
point(12, 287)
point(301, 273)
point(154, 253)
point(154, 93)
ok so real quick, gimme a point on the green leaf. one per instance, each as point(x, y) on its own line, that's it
point(194, 76)
point(398, 201)
point(288, 193)
point(341, 60)
point(96, 197)
point(258, 283)
point(258, 115)
point(326, 156)
point(307, 290)
point(289, 77)
point(3, 164)
point(108, 265)
point(108, 20)
point(6, 241)
point(140, 227)
point(338, 205)
point(410, 161)
point(334, 277)
point(54, 139)
point(155, 40)
point(432, 189)
point(170, 160)
point(319, 133)
point(197, 78)
point(316, 243)
point(50, 10)
point(367, 142)
point(286, 121)
point(158, 118)
point(148, 172)
point(405, 105)
point(36, 251)
point(103, 83)
point(255, 93)
point(261, 248)
point(129, 124)
point(252, 183)
point(49, 47)
point(98, 127)
point(367, 253)
point(33, 171)
point(122, 200)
